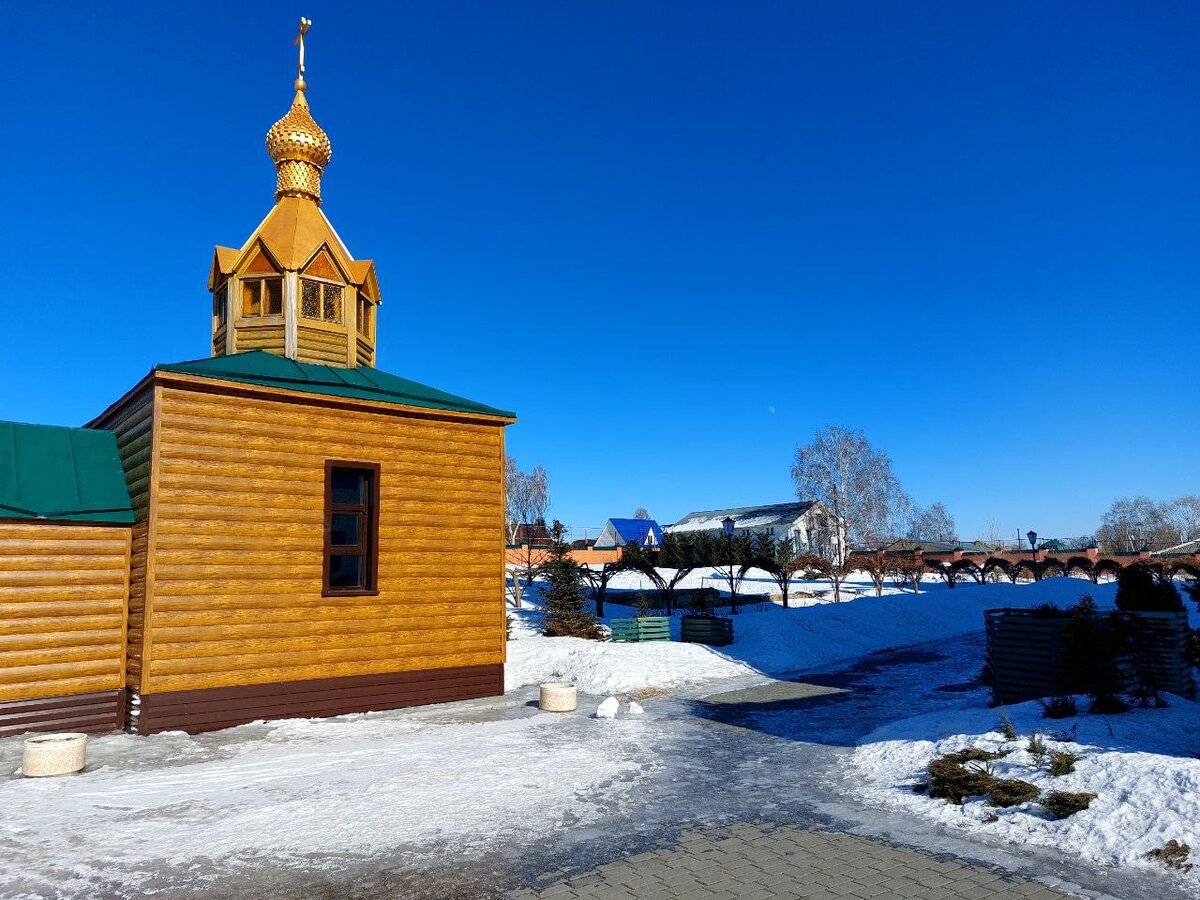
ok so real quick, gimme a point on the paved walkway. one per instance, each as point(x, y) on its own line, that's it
point(761, 862)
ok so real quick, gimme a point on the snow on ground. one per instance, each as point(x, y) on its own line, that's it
point(1141, 764)
point(770, 639)
point(299, 791)
point(606, 667)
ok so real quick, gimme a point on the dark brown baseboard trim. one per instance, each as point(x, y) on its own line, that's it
point(98, 712)
point(210, 709)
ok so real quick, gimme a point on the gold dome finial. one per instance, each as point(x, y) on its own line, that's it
point(296, 143)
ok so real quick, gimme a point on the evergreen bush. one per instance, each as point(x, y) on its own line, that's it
point(1061, 762)
point(565, 596)
point(1061, 804)
point(1011, 792)
point(1107, 705)
point(1059, 708)
point(965, 773)
point(1141, 590)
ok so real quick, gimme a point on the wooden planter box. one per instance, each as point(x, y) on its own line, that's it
point(1162, 652)
point(636, 629)
point(1025, 654)
point(711, 630)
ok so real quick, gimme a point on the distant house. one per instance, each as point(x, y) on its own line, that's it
point(910, 544)
point(807, 524)
point(535, 534)
point(619, 532)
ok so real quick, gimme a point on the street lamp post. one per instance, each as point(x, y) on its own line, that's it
point(1032, 536)
point(727, 526)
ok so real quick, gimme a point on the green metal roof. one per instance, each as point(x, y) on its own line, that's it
point(63, 474)
point(362, 383)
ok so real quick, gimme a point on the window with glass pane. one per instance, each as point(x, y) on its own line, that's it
point(262, 297)
point(364, 317)
point(310, 299)
point(351, 526)
point(272, 297)
point(321, 301)
point(333, 303)
point(221, 303)
point(251, 298)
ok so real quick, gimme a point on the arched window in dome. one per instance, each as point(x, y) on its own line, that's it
point(321, 301)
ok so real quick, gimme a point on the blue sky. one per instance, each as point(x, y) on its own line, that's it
point(675, 237)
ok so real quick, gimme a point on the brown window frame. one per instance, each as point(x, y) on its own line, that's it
point(363, 317)
point(368, 546)
point(260, 286)
point(221, 304)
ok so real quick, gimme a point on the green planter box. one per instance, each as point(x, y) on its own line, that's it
point(711, 630)
point(641, 628)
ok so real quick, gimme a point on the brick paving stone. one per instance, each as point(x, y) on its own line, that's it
point(749, 861)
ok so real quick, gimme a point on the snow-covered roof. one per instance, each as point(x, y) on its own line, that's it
point(744, 517)
point(1180, 549)
point(904, 544)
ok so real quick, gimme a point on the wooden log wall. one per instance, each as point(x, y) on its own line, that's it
point(237, 537)
point(132, 418)
point(322, 346)
point(365, 351)
point(63, 594)
point(259, 336)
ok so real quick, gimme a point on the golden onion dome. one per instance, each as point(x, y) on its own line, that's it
point(300, 150)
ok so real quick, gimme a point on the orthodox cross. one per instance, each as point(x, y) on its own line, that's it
point(305, 24)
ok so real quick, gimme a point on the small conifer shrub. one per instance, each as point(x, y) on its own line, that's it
point(1062, 804)
point(1061, 762)
point(965, 773)
point(1107, 705)
point(1059, 708)
point(1012, 792)
point(1006, 726)
point(1037, 748)
point(565, 596)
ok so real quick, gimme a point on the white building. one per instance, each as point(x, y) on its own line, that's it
point(808, 525)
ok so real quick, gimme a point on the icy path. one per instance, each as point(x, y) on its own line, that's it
point(172, 811)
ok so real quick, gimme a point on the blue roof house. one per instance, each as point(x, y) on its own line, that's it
point(619, 532)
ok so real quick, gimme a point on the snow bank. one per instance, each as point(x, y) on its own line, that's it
point(1140, 764)
point(597, 667)
point(773, 640)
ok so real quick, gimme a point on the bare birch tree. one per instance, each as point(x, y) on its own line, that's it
point(990, 535)
point(931, 523)
point(854, 481)
point(526, 496)
point(1134, 522)
point(1185, 516)
point(526, 499)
